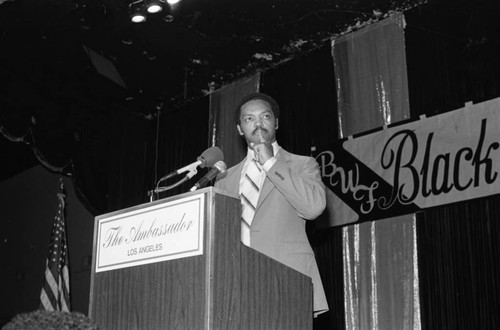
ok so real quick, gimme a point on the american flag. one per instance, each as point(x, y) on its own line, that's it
point(55, 290)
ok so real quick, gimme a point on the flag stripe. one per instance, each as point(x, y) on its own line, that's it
point(51, 282)
point(47, 303)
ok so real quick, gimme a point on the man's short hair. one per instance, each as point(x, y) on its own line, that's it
point(257, 96)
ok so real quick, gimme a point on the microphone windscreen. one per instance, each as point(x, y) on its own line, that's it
point(211, 156)
point(221, 166)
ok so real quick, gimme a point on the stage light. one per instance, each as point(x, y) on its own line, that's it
point(136, 12)
point(153, 6)
point(138, 17)
point(139, 9)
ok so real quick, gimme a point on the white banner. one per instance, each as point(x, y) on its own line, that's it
point(161, 232)
point(443, 159)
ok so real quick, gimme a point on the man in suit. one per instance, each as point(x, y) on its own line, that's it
point(288, 190)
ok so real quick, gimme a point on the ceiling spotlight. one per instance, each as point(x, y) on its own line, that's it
point(153, 6)
point(136, 12)
point(172, 2)
point(138, 17)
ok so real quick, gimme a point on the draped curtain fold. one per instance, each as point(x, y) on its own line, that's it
point(181, 136)
point(380, 261)
point(222, 127)
point(458, 244)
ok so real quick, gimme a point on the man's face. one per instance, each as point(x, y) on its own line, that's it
point(257, 115)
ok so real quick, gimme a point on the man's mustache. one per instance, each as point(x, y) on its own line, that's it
point(259, 128)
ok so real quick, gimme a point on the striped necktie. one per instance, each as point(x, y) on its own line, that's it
point(250, 191)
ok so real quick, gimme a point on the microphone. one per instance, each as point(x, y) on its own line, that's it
point(208, 158)
point(219, 167)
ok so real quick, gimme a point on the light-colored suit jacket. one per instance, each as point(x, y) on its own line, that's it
point(292, 193)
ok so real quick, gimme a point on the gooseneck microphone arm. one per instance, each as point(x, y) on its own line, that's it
point(181, 181)
point(200, 162)
point(158, 189)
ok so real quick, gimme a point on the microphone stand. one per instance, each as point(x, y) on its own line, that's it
point(158, 190)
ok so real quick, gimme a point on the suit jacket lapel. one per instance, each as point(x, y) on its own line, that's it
point(233, 179)
point(267, 187)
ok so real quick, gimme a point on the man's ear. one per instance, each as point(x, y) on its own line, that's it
point(276, 126)
point(239, 129)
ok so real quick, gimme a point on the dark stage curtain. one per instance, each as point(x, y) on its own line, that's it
point(305, 91)
point(182, 137)
point(452, 58)
point(134, 153)
point(459, 258)
point(130, 153)
point(222, 125)
point(122, 156)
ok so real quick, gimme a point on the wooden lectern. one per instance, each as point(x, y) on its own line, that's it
point(227, 286)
